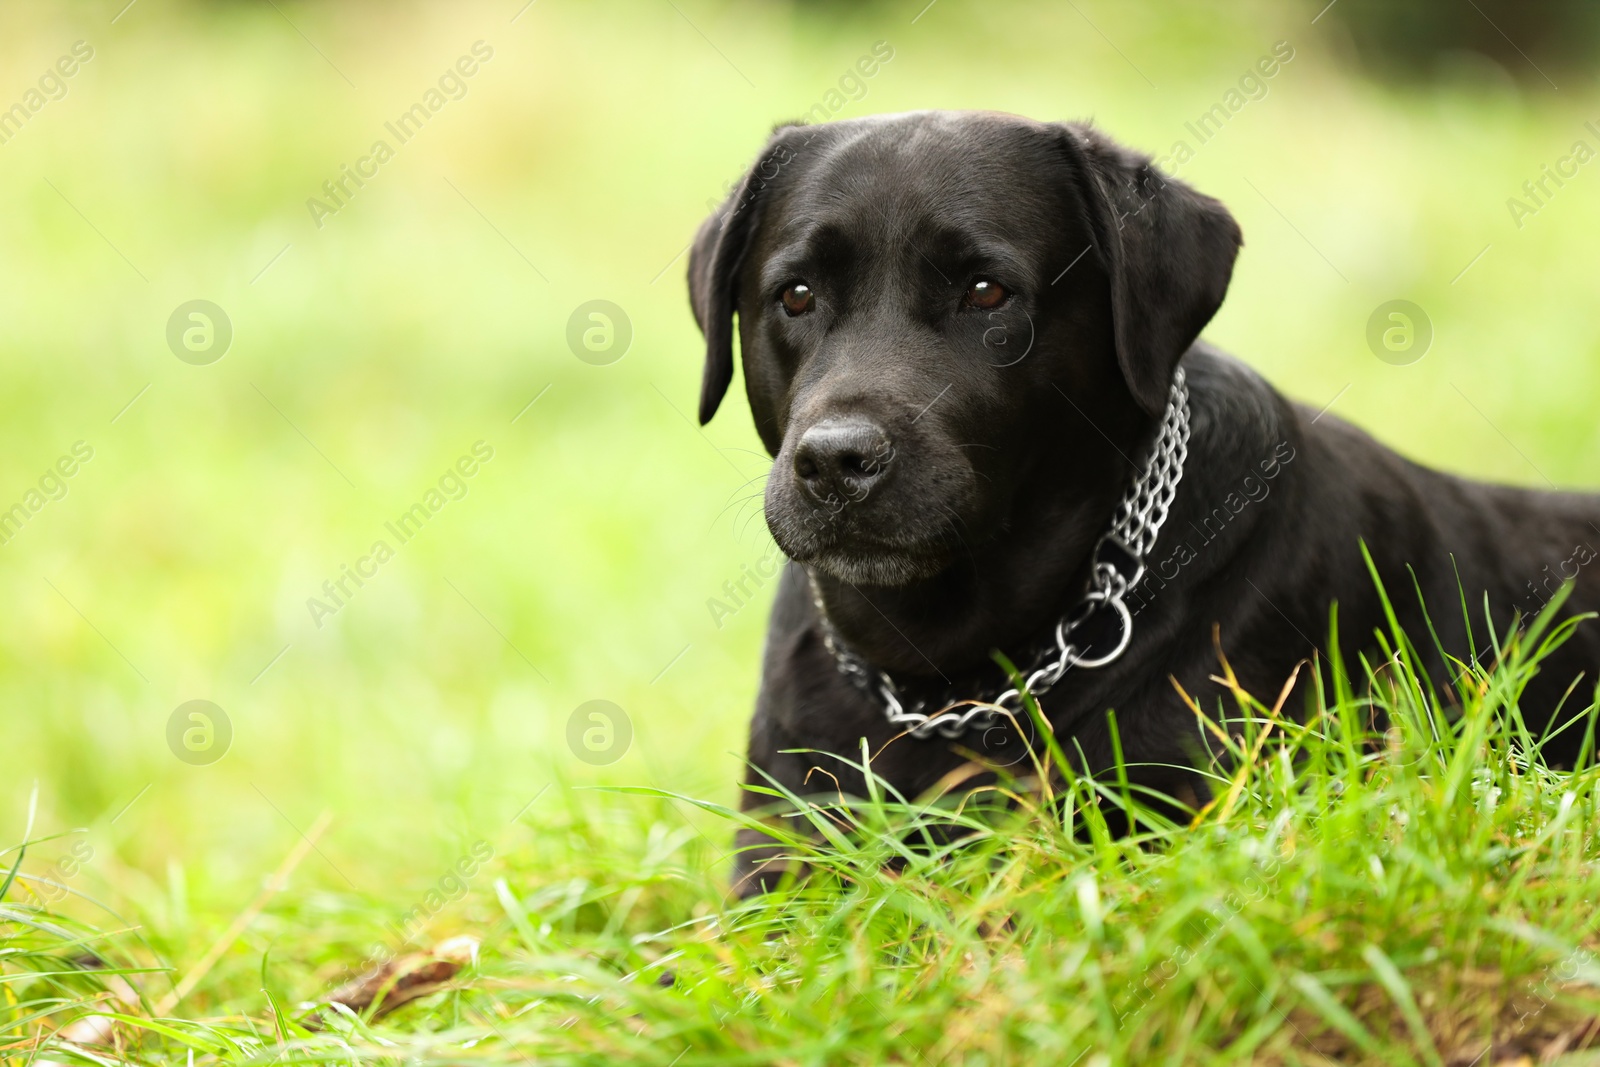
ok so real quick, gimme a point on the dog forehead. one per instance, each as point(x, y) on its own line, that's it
point(996, 173)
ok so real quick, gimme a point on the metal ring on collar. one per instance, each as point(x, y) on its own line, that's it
point(1080, 658)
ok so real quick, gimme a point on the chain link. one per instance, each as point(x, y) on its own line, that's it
point(1135, 525)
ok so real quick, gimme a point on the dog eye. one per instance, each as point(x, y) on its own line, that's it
point(985, 294)
point(797, 299)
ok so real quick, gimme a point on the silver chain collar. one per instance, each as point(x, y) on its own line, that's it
point(1135, 525)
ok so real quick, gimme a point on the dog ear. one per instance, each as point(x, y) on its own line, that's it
point(712, 297)
point(1169, 251)
point(715, 258)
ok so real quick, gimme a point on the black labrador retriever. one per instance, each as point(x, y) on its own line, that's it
point(970, 344)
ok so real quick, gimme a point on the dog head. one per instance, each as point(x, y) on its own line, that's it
point(920, 298)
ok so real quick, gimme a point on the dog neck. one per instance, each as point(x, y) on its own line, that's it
point(1008, 593)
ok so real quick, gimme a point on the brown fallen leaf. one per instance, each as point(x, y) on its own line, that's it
point(402, 979)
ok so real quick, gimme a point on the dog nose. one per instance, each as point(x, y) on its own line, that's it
point(842, 459)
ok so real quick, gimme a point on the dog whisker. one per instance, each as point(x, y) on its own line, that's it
point(739, 503)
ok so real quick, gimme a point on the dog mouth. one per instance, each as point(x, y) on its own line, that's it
point(881, 568)
point(859, 558)
point(854, 500)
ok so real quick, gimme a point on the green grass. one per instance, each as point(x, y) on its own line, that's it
point(427, 714)
point(1415, 891)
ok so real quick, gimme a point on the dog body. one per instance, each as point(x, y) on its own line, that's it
point(959, 334)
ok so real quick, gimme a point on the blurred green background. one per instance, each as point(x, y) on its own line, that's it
point(371, 352)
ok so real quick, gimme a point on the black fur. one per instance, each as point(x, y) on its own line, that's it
point(1015, 431)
